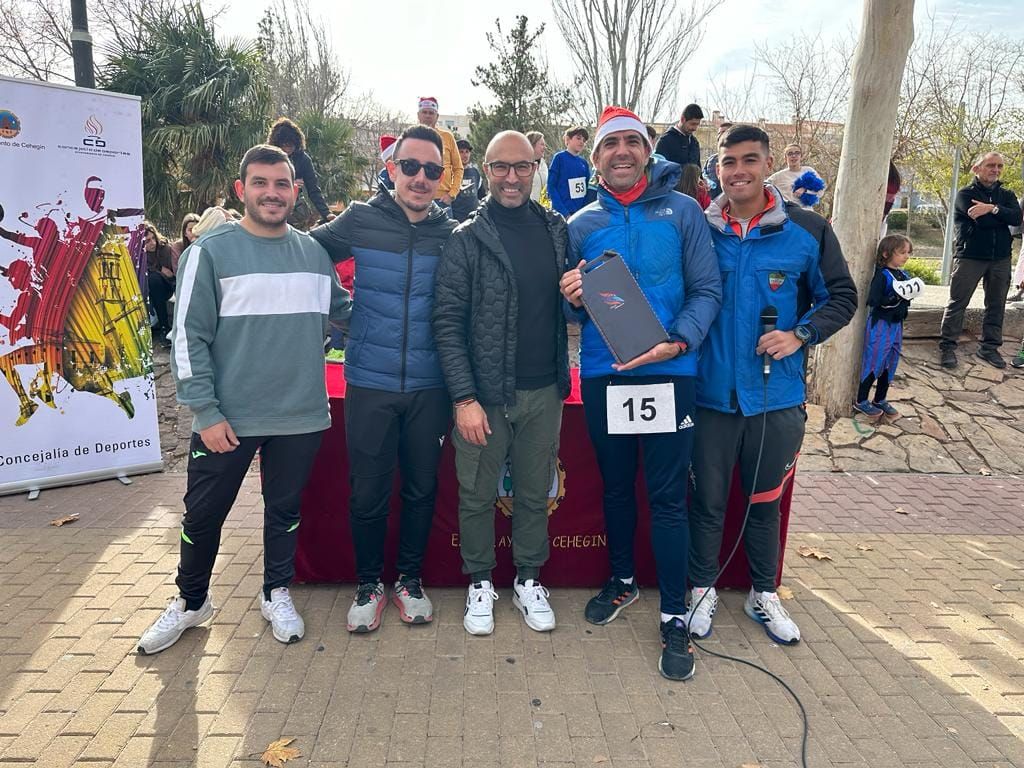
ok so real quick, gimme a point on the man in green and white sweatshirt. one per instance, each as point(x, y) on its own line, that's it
point(253, 304)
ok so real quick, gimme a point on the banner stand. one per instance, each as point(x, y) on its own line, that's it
point(77, 388)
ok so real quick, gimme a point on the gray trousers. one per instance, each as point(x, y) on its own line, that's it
point(721, 440)
point(995, 277)
point(527, 433)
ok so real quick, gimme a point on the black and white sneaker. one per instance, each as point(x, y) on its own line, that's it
point(676, 662)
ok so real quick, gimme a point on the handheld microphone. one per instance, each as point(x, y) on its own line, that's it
point(769, 316)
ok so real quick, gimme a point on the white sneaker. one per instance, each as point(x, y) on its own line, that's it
point(765, 608)
point(280, 611)
point(531, 598)
point(165, 631)
point(699, 621)
point(414, 607)
point(479, 616)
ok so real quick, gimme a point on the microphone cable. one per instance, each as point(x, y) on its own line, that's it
point(721, 570)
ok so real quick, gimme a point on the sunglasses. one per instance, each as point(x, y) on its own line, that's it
point(411, 167)
point(522, 169)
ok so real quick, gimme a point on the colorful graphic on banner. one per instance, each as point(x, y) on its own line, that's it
point(77, 401)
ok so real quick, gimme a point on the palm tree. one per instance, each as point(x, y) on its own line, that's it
point(204, 103)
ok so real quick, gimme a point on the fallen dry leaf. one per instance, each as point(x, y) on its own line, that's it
point(600, 759)
point(279, 753)
point(805, 551)
point(901, 511)
point(64, 520)
point(784, 592)
point(865, 547)
point(952, 729)
point(997, 587)
point(985, 472)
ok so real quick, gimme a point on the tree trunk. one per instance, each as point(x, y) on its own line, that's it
point(887, 30)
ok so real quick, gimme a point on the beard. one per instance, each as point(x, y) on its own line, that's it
point(253, 211)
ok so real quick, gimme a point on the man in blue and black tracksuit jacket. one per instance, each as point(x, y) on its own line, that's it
point(396, 405)
point(771, 254)
point(663, 240)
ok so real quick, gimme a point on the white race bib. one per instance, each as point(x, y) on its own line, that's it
point(641, 409)
point(578, 187)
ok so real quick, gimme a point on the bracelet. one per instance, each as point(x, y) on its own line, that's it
point(464, 403)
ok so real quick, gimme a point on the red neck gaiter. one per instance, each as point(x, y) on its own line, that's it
point(631, 195)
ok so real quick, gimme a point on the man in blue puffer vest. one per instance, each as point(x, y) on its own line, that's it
point(396, 406)
point(772, 254)
point(662, 237)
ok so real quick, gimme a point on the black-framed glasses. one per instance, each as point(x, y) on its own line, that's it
point(522, 169)
point(411, 167)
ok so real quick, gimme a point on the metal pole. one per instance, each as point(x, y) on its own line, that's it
point(947, 245)
point(81, 45)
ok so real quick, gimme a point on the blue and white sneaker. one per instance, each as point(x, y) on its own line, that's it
point(867, 408)
point(698, 621)
point(766, 609)
point(886, 407)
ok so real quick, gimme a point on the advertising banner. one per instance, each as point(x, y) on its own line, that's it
point(77, 397)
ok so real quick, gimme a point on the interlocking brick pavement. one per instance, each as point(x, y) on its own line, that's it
point(913, 642)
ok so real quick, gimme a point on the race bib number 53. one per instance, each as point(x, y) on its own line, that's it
point(641, 409)
point(578, 187)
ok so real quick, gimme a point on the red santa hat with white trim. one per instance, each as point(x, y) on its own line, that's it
point(387, 147)
point(428, 102)
point(615, 119)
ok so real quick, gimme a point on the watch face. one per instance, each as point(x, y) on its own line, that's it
point(802, 333)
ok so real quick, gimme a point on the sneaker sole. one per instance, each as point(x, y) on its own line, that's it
point(526, 617)
point(678, 679)
point(362, 629)
point(405, 617)
point(615, 614)
point(478, 632)
point(767, 631)
point(143, 652)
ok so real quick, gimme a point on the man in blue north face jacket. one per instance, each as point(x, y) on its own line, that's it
point(772, 254)
point(647, 402)
point(396, 406)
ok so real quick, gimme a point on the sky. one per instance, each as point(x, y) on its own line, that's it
point(399, 51)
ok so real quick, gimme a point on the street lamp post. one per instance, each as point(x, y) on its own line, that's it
point(81, 45)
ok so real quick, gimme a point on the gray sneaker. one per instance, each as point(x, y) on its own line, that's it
point(947, 358)
point(414, 607)
point(165, 631)
point(367, 608)
point(280, 611)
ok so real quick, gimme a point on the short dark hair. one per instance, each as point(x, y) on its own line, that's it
point(577, 130)
point(693, 111)
point(742, 132)
point(421, 132)
point(265, 154)
point(284, 131)
point(888, 245)
point(464, 144)
point(652, 133)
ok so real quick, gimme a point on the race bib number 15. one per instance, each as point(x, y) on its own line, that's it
point(641, 409)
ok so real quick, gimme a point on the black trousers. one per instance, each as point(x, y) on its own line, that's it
point(722, 440)
point(995, 277)
point(385, 431)
point(161, 288)
point(213, 483)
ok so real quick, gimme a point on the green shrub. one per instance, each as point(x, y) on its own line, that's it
point(923, 268)
point(898, 220)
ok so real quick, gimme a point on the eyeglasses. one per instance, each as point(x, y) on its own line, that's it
point(411, 167)
point(522, 169)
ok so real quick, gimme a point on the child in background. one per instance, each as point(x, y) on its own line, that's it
point(889, 299)
point(569, 174)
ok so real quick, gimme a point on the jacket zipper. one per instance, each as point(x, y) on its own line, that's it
point(408, 290)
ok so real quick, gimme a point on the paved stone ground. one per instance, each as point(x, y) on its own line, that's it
point(913, 642)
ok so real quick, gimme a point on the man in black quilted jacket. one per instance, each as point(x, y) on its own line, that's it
point(501, 339)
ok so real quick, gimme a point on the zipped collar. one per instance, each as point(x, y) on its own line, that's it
point(662, 177)
point(774, 216)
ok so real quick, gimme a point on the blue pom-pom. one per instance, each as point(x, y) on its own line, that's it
point(809, 199)
point(810, 181)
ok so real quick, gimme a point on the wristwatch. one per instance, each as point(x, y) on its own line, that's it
point(803, 333)
point(995, 209)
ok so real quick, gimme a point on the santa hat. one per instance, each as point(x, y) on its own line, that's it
point(615, 119)
point(428, 102)
point(387, 147)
